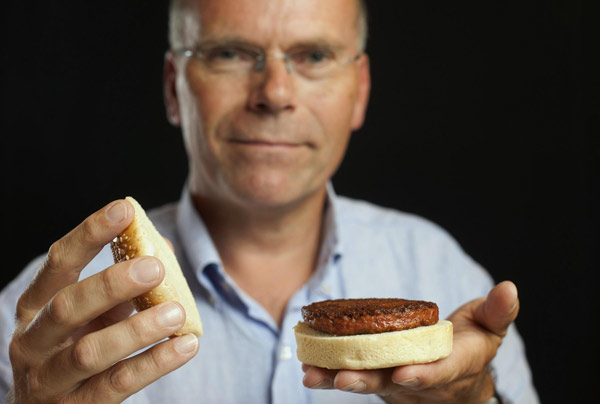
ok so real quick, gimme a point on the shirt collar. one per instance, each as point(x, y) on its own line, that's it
point(203, 256)
point(331, 247)
point(197, 245)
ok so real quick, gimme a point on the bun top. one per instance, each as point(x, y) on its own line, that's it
point(141, 238)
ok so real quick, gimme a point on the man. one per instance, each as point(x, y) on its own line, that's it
point(267, 94)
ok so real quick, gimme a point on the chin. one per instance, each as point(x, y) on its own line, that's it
point(271, 192)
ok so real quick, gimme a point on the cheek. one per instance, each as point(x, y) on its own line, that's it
point(332, 106)
point(210, 103)
point(208, 99)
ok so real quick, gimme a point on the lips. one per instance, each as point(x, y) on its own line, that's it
point(266, 143)
point(268, 133)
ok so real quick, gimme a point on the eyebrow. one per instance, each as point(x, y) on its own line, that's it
point(319, 43)
point(226, 41)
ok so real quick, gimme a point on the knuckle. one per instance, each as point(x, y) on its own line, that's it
point(138, 327)
point(111, 285)
point(121, 378)
point(88, 230)
point(160, 358)
point(54, 255)
point(26, 374)
point(57, 259)
point(15, 350)
point(60, 309)
point(84, 356)
point(34, 383)
point(21, 311)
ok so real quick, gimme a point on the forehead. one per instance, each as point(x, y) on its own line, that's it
point(277, 22)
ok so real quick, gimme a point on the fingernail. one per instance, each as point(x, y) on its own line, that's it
point(186, 344)
point(355, 387)
point(514, 306)
point(145, 270)
point(169, 315)
point(116, 213)
point(324, 384)
point(412, 382)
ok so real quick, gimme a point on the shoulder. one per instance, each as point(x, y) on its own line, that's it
point(362, 216)
point(399, 253)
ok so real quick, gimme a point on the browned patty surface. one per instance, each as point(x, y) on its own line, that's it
point(368, 316)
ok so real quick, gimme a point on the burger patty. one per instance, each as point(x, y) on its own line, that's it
point(368, 316)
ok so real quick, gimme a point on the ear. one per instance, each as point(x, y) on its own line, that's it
point(364, 89)
point(170, 89)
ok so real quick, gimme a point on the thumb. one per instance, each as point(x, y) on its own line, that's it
point(500, 308)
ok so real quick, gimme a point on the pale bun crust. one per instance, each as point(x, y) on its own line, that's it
point(142, 239)
point(374, 351)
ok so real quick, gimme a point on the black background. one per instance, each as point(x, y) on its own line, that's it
point(483, 118)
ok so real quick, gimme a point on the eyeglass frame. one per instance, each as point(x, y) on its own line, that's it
point(260, 58)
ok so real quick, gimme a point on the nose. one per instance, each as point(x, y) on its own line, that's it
point(272, 90)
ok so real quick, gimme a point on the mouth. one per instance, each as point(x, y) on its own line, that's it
point(267, 144)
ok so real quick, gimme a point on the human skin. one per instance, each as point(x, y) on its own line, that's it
point(270, 140)
point(463, 377)
point(262, 146)
point(261, 151)
point(72, 337)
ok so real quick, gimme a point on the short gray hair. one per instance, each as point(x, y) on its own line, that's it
point(179, 18)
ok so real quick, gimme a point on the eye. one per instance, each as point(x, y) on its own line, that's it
point(223, 54)
point(228, 54)
point(316, 56)
point(313, 56)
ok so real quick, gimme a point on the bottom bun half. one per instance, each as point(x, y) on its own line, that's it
point(374, 351)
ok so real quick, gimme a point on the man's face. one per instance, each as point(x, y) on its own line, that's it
point(271, 138)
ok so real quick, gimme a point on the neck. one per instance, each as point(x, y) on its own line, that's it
point(269, 253)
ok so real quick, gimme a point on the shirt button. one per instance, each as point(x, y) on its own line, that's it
point(326, 289)
point(286, 353)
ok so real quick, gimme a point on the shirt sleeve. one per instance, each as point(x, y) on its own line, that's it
point(513, 377)
point(8, 302)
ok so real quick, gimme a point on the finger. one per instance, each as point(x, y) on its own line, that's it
point(169, 244)
point(131, 375)
point(423, 376)
point(500, 308)
point(472, 350)
point(79, 303)
point(318, 378)
point(69, 255)
point(96, 352)
point(376, 381)
point(479, 387)
point(113, 316)
point(118, 313)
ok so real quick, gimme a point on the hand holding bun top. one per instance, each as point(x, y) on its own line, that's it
point(463, 377)
point(72, 336)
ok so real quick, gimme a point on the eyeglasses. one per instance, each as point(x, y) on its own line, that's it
point(310, 63)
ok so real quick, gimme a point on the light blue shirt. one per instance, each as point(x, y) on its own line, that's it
point(244, 357)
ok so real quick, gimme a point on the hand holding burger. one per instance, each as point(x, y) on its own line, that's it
point(463, 377)
point(372, 333)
